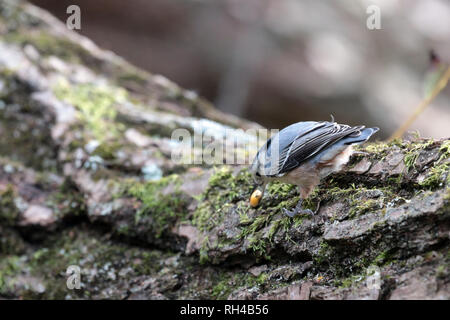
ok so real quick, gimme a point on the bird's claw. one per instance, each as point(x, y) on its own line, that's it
point(299, 210)
point(289, 213)
point(295, 211)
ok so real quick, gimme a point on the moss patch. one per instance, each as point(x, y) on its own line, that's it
point(223, 192)
point(378, 149)
point(8, 210)
point(163, 208)
point(437, 177)
point(10, 267)
point(99, 259)
point(10, 242)
point(96, 107)
point(47, 45)
point(229, 282)
point(67, 201)
point(439, 174)
point(24, 126)
point(227, 195)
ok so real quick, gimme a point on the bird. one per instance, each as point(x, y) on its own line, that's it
point(303, 154)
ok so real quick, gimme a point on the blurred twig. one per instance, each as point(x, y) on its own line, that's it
point(441, 84)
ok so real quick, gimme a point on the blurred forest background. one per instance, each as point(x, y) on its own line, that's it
point(282, 61)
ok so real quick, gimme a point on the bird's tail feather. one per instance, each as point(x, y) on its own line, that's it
point(364, 135)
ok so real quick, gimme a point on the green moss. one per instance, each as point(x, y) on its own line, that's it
point(203, 253)
point(274, 226)
point(22, 126)
point(8, 210)
point(445, 150)
point(95, 106)
point(410, 159)
point(202, 217)
point(132, 78)
point(379, 149)
point(349, 282)
point(362, 200)
point(9, 267)
point(323, 253)
point(438, 173)
point(365, 206)
point(229, 282)
point(108, 150)
point(413, 151)
point(447, 193)
point(95, 255)
point(227, 193)
point(162, 209)
point(442, 271)
point(258, 245)
point(222, 289)
point(220, 178)
point(222, 193)
point(256, 225)
point(437, 176)
point(147, 263)
point(67, 201)
point(10, 242)
point(383, 258)
point(337, 193)
point(48, 44)
point(244, 218)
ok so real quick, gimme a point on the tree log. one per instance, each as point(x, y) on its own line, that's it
point(87, 179)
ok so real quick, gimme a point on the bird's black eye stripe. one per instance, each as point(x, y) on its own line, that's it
point(258, 175)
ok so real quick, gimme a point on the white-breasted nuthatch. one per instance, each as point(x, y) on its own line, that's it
point(304, 153)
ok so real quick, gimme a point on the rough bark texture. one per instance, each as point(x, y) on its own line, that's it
point(86, 179)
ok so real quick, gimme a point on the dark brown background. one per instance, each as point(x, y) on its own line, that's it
point(278, 62)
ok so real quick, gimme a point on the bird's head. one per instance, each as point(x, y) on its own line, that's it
point(255, 171)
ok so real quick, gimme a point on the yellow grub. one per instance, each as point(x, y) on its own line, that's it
point(255, 198)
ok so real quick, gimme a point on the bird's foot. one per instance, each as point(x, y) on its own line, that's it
point(294, 212)
point(298, 210)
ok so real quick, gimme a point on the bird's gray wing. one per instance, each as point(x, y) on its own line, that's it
point(274, 151)
point(305, 146)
